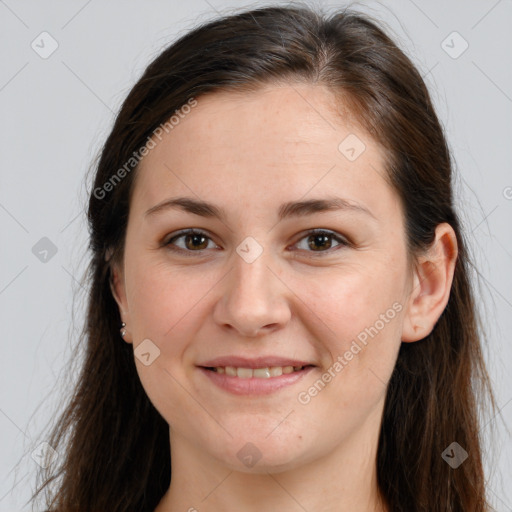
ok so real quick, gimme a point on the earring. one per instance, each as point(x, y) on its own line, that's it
point(123, 330)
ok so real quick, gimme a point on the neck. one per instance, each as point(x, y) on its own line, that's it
point(344, 479)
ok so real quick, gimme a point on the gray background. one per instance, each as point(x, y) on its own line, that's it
point(56, 112)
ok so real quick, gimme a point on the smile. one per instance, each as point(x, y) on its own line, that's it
point(254, 381)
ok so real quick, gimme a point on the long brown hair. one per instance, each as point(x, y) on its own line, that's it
point(114, 445)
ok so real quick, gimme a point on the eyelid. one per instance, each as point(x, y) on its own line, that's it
point(184, 232)
point(342, 241)
point(314, 231)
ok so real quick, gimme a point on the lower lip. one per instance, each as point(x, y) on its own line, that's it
point(254, 385)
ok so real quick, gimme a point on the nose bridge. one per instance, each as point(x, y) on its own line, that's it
point(251, 282)
point(252, 295)
point(252, 267)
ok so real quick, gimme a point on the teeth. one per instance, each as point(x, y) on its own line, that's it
point(259, 373)
point(244, 373)
point(276, 371)
point(230, 371)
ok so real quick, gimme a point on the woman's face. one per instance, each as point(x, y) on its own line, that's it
point(256, 287)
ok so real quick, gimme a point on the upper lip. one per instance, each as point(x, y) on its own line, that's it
point(257, 362)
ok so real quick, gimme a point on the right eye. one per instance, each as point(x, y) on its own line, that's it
point(193, 241)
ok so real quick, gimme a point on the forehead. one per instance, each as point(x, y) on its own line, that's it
point(280, 142)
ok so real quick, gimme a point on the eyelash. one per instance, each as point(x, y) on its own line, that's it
point(342, 242)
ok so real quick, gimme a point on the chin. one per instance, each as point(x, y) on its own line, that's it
point(261, 453)
point(267, 464)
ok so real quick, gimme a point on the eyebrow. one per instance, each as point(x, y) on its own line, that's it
point(286, 210)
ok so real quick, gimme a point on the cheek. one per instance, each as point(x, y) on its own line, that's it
point(164, 308)
point(345, 302)
point(163, 299)
point(357, 315)
point(362, 354)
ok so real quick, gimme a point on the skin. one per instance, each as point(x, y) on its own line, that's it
point(248, 153)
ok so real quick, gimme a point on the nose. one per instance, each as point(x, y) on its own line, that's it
point(254, 300)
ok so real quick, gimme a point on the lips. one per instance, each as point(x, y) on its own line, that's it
point(248, 383)
point(258, 362)
point(254, 376)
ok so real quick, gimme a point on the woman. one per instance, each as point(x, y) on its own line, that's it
point(280, 302)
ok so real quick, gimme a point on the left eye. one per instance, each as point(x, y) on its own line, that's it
point(323, 239)
point(196, 241)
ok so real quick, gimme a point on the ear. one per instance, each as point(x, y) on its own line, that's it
point(117, 287)
point(432, 281)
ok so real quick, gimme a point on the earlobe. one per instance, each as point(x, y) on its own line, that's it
point(117, 288)
point(430, 291)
